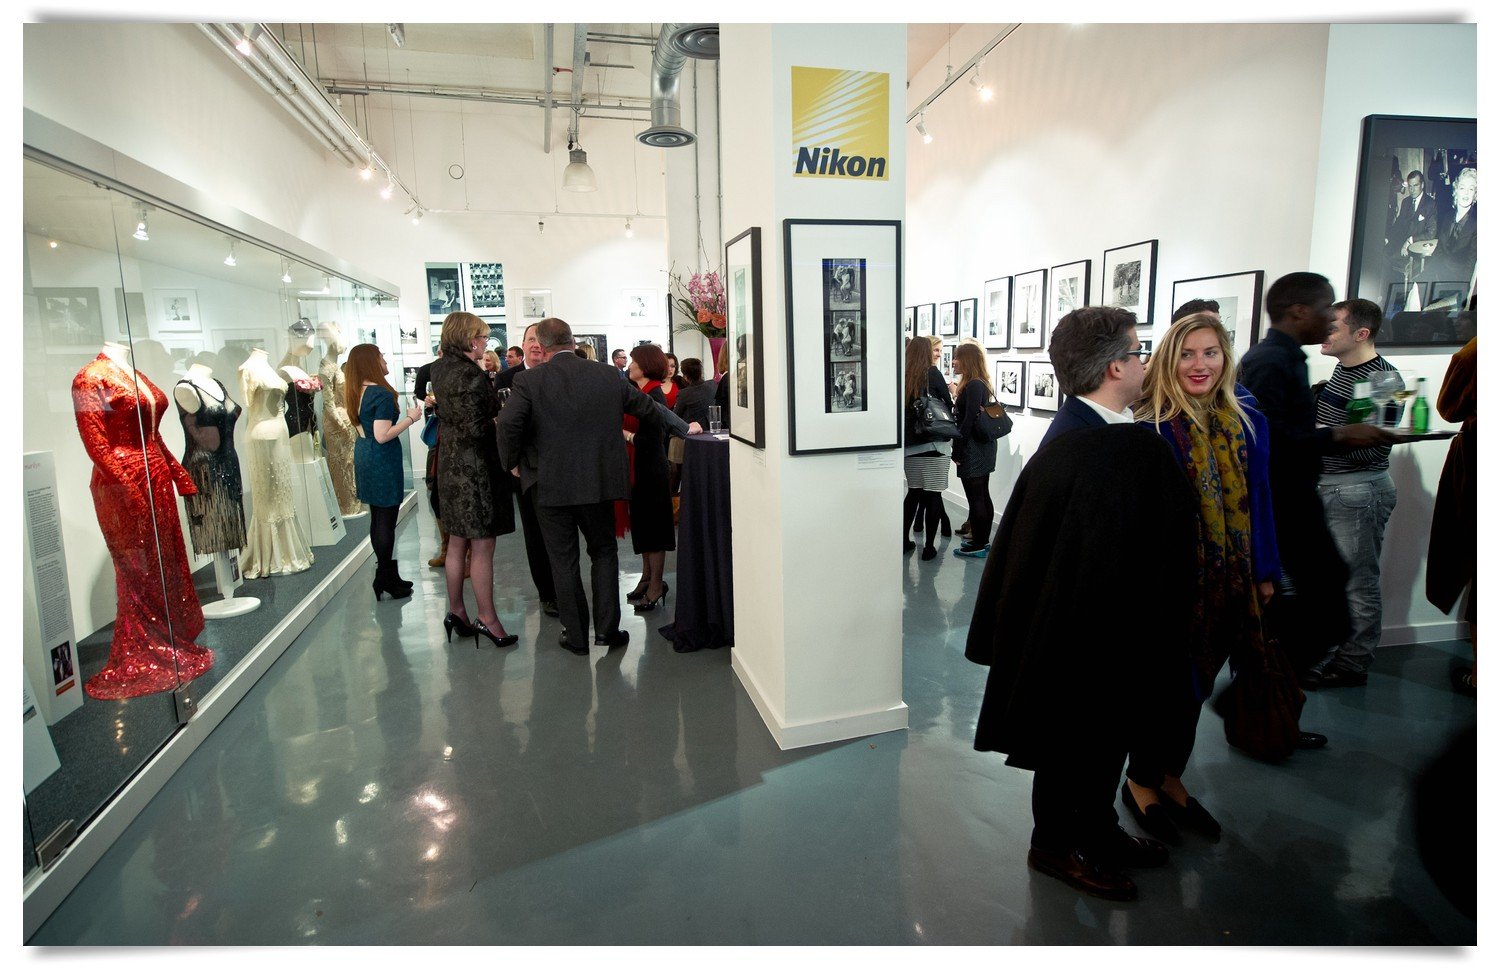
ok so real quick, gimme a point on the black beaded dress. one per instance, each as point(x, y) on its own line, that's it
point(216, 514)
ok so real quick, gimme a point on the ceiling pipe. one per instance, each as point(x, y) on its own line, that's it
point(580, 61)
point(547, 95)
point(282, 61)
point(674, 45)
point(212, 33)
point(479, 94)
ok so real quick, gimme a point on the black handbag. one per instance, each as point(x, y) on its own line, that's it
point(929, 419)
point(992, 422)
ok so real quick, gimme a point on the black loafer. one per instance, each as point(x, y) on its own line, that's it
point(1153, 818)
point(1078, 870)
point(565, 643)
point(1192, 816)
point(1128, 851)
point(614, 640)
point(1333, 678)
point(1310, 681)
point(1311, 741)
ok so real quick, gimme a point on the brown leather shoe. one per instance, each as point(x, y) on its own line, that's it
point(1079, 871)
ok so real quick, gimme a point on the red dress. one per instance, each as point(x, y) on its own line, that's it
point(152, 650)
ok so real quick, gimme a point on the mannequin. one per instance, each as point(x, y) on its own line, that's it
point(276, 543)
point(338, 429)
point(135, 486)
point(216, 514)
point(301, 416)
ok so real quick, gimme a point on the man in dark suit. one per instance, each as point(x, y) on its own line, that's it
point(530, 353)
point(1100, 366)
point(1415, 219)
point(561, 429)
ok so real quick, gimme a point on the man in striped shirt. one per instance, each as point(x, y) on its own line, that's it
point(1357, 491)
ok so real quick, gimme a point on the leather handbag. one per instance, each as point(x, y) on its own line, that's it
point(929, 419)
point(429, 431)
point(1262, 705)
point(992, 422)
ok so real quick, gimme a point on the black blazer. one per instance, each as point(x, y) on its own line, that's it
point(1073, 415)
point(693, 402)
point(562, 427)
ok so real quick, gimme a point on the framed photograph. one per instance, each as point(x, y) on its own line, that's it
point(948, 318)
point(968, 318)
point(536, 304)
point(443, 295)
point(746, 359)
point(496, 340)
point(640, 305)
point(176, 311)
point(408, 379)
point(926, 318)
point(486, 287)
point(1416, 223)
point(843, 285)
point(996, 330)
point(1238, 296)
point(1009, 378)
point(1070, 289)
point(909, 321)
point(945, 362)
point(598, 341)
point(1027, 309)
point(408, 334)
point(1130, 279)
point(70, 318)
point(1041, 387)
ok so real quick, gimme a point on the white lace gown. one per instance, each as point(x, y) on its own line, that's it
point(275, 542)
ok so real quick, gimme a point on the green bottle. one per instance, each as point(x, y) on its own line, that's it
point(1360, 407)
point(1419, 413)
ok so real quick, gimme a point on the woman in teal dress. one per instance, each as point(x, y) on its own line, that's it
point(377, 457)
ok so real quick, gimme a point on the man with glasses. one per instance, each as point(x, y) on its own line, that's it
point(1100, 367)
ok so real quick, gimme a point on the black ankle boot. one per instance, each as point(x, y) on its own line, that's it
point(387, 582)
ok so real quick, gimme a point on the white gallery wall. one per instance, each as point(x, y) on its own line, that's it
point(1234, 145)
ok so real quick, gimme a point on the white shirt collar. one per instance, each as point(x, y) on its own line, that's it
point(1110, 417)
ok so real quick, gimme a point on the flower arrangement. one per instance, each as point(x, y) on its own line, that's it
point(701, 300)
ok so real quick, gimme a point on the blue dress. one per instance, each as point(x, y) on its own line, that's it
point(377, 467)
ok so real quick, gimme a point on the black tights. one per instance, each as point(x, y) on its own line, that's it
point(383, 532)
point(931, 505)
point(981, 508)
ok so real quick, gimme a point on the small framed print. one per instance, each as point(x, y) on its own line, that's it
point(948, 318)
point(177, 311)
point(945, 362)
point(1041, 386)
point(1027, 309)
point(968, 318)
point(843, 287)
point(70, 318)
point(1129, 279)
point(926, 316)
point(1238, 296)
point(746, 360)
point(1069, 290)
point(995, 333)
point(536, 304)
point(909, 322)
point(1009, 378)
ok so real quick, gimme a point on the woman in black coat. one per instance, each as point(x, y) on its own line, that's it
point(937, 387)
point(973, 452)
point(652, 533)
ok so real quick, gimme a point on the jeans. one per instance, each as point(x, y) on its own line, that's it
point(1358, 505)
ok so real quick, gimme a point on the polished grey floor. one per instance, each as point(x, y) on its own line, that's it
point(381, 786)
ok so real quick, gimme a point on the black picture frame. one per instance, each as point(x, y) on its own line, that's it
point(1068, 289)
point(947, 318)
point(1239, 299)
point(996, 325)
point(968, 318)
point(1028, 310)
point(1042, 390)
point(1392, 147)
point(926, 319)
point(744, 319)
point(1127, 279)
point(444, 292)
point(816, 252)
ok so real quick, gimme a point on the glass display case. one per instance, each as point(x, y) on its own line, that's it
point(188, 475)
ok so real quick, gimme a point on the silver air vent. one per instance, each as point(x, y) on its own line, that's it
point(697, 40)
point(674, 45)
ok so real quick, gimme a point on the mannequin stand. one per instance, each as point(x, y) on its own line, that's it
point(317, 505)
point(227, 578)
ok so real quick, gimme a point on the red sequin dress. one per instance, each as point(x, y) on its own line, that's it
point(152, 650)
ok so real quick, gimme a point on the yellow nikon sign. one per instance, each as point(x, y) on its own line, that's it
point(841, 123)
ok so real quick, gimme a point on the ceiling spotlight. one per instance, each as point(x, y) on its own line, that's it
point(140, 225)
point(578, 176)
point(229, 260)
point(416, 216)
point(629, 230)
point(286, 271)
point(541, 226)
point(390, 186)
point(986, 93)
point(922, 128)
point(52, 243)
point(244, 46)
point(368, 172)
point(398, 34)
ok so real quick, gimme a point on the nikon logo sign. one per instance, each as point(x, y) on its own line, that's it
point(841, 123)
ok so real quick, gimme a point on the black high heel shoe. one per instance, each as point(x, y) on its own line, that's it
point(1152, 818)
point(451, 622)
point(646, 605)
point(637, 594)
point(383, 584)
point(480, 629)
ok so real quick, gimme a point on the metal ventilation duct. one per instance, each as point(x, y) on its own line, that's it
point(674, 45)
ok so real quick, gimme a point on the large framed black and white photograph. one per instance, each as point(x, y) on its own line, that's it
point(926, 317)
point(1009, 377)
point(486, 292)
point(746, 361)
point(948, 318)
point(1129, 279)
point(1027, 309)
point(1069, 290)
point(844, 339)
point(995, 332)
point(968, 318)
point(1238, 296)
point(443, 294)
point(1416, 226)
point(70, 317)
point(1041, 386)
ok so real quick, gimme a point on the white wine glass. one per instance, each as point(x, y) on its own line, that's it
point(1383, 386)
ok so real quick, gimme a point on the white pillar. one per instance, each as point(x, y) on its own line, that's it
point(817, 557)
point(695, 238)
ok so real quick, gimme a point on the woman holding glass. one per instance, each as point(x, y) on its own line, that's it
point(378, 457)
point(470, 482)
point(651, 529)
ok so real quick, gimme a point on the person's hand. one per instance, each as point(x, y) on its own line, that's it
point(516, 471)
point(1266, 590)
point(628, 436)
point(430, 400)
point(413, 413)
point(1362, 435)
point(695, 428)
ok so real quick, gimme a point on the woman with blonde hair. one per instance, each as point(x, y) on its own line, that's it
point(377, 457)
point(470, 482)
point(1223, 445)
point(973, 452)
point(925, 462)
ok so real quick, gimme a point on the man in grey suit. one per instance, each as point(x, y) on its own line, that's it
point(561, 428)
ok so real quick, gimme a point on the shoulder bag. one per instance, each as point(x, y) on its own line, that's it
point(993, 422)
point(929, 419)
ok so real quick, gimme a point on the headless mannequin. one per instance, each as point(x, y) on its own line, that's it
point(300, 345)
point(201, 377)
point(119, 354)
point(256, 371)
point(338, 428)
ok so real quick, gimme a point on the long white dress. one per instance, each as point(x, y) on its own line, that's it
point(275, 543)
point(338, 436)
